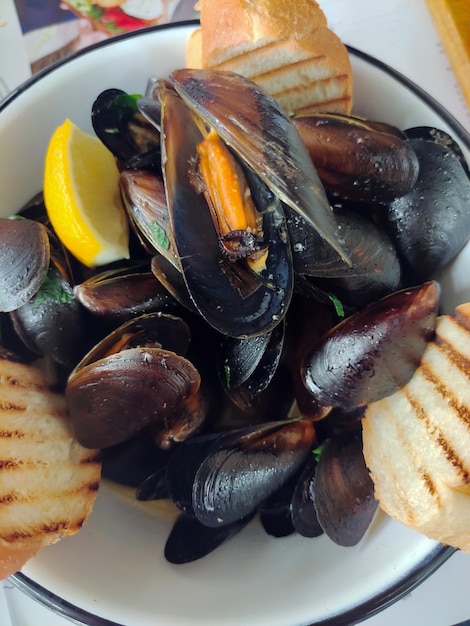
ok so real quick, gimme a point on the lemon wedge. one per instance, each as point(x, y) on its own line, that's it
point(81, 195)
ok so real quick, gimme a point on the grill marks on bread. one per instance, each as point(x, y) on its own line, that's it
point(417, 441)
point(48, 481)
point(284, 47)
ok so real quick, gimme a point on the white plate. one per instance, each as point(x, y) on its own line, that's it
point(114, 568)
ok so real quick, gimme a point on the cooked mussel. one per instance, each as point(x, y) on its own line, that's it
point(343, 491)
point(124, 131)
point(255, 297)
point(223, 478)
point(372, 353)
point(128, 382)
point(119, 294)
point(431, 223)
point(357, 159)
point(24, 261)
point(254, 125)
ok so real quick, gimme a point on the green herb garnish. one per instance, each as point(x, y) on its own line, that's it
point(339, 309)
point(53, 290)
point(161, 238)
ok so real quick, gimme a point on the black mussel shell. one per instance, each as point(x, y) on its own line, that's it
point(122, 129)
point(119, 295)
point(344, 491)
point(239, 357)
point(133, 461)
point(303, 512)
point(259, 378)
point(357, 160)
point(51, 323)
point(256, 302)
point(116, 397)
point(225, 478)
point(24, 261)
point(144, 199)
point(431, 223)
point(254, 125)
point(374, 352)
point(189, 540)
point(375, 270)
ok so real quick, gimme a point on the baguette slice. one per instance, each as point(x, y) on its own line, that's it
point(417, 441)
point(284, 47)
point(48, 482)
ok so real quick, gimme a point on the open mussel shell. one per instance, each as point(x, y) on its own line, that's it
point(246, 394)
point(358, 160)
point(343, 491)
point(123, 130)
point(431, 224)
point(254, 125)
point(220, 479)
point(144, 199)
point(374, 352)
point(24, 261)
point(229, 296)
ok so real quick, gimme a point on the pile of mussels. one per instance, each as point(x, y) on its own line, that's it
point(282, 277)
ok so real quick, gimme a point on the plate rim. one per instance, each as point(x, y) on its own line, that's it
point(413, 577)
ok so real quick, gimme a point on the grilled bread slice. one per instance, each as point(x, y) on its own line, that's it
point(48, 482)
point(284, 47)
point(417, 441)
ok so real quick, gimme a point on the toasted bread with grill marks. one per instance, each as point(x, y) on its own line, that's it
point(284, 47)
point(48, 482)
point(417, 441)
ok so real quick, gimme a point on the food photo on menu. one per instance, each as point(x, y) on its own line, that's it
point(53, 29)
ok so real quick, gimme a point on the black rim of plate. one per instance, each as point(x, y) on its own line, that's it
point(416, 575)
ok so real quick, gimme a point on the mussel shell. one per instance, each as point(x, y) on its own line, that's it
point(131, 462)
point(376, 269)
point(51, 323)
point(303, 512)
point(144, 199)
point(119, 125)
point(243, 469)
point(344, 491)
point(239, 357)
point(245, 393)
point(357, 161)
point(374, 352)
point(118, 295)
point(431, 223)
point(24, 261)
point(189, 540)
point(114, 398)
point(157, 329)
point(231, 298)
point(254, 125)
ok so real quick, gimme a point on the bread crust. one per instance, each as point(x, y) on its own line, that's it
point(287, 48)
point(416, 441)
point(48, 481)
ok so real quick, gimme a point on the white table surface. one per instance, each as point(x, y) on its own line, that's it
point(400, 33)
